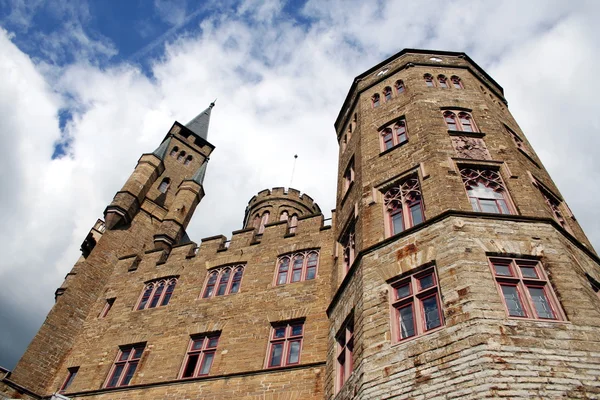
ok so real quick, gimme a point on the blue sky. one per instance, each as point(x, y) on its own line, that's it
point(88, 86)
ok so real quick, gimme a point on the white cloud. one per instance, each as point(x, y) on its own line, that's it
point(279, 86)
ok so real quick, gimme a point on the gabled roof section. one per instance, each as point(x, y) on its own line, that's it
point(199, 125)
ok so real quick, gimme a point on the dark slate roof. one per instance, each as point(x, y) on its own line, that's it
point(199, 175)
point(161, 152)
point(199, 125)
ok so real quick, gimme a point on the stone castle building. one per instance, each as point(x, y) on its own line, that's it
point(452, 268)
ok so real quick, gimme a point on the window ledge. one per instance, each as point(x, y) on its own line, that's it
point(463, 133)
point(393, 148)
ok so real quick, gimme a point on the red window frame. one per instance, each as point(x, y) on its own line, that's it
point(463, 122)
point(399, 202)
point(485, 184)
point(284, 336)
point(375, 100)
point(387, 93)
point(345, 351)
point(107, 306)
point(348, 243)
point(289, 270)
point(348, 176)
point(400, 86)
point(429, 80)
point(414, 299)
point(72, 373)
point(200, 355)
point(513, 276)
point(394, 134)
point(457, 82)
point(156, 293)
point(223, 281)
point(443, 81)
point(123, 369)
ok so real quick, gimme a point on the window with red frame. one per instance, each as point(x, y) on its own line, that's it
point(345, 350)
point(348, 244)
point(416, 303)
point(429, 80)
point(443, 81)
point(200, 355)
point(404, 205)
point(107, 306)
point(285, 344)
point(387, 93)
point(464, 122)
point(348, 176)
point(223, 281)
point(486, 190)
point(399, 86)
point(125, 365)
point(292, 224)
point(157, 293)
point(457, 82)
point(297, 267)
point(553, 204)
point(72, 373)
point(524, 287)
point(375, 100)
point(393, 135)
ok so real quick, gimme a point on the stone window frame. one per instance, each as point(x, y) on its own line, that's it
point(107, 307)
point(456, 82)
point(458, 116)
point(415, 299)
point(71, 374)
point(399, 86)
point(158, 292)
point(443, 81)
point(285, 334)
point(128, 357)
point(164, 185)
point(492, 179)
point(387, 94)
point(226, 277)
point(260, 220)
point(375, 100)
point(394, 133)
point(408, 191)
point(286, 266)
point(199, 357)
point(344, 366)
point(514, 277)
point(429, 81)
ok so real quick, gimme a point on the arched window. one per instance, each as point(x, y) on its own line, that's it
point(293, 224)
point(404, 205)
point(181, 156)
point(174, 151)
point(303, 267)
point(394, 135)
point(227, 280)
point(164, 185)
point(375, 100)
point(399, 86)
point(348, 247)
point(466, 122)
point(188, 160)
point(387, 93)
point(157, 293)
point(443, 81)
point(283, 216)
point(263, 221)
point(486, 190)
point(450, 119)
point(456, 82)
point(429, 80)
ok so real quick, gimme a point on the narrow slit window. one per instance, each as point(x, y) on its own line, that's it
point(71, 374)
point(107, 306)
point(345, 350)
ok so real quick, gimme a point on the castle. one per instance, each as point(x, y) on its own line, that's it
point(451, 268)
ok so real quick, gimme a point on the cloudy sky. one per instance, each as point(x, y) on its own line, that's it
point(86, 87)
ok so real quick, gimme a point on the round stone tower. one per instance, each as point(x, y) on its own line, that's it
point(456, 254)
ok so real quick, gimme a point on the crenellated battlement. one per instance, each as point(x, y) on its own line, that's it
point(277, 201)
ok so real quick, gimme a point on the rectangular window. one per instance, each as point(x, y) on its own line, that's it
point(157, 293)
point(296, 267)
point(345, 349)
point(525, 290)
point(107, 306)
point(72, 373)
point(348, 176)
point(200, 355)
point(285, 344)
point(416, 302)
point(125, 365)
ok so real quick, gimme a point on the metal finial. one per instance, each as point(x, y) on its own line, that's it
point(212, 104)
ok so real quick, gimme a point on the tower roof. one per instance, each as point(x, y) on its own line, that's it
point(161, 151)
point(199, 125)
point(199, 175)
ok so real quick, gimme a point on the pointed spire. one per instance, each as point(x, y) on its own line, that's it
point(199, 175)
point(161, 152)
point(199, 125)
